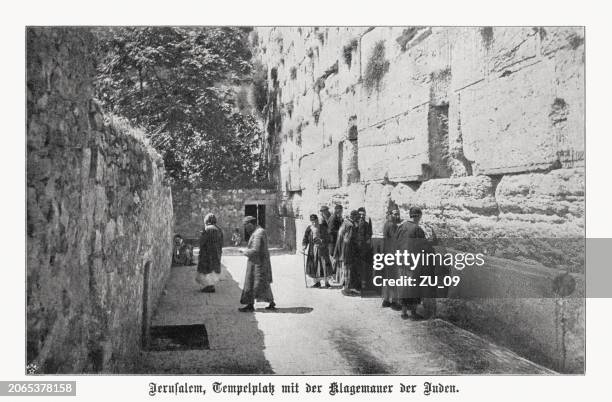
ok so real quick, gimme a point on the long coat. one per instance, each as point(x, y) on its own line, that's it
point(346, 255)
point(411, 237)
point(389, 270)
point(333, 225)
point(318, 264)
point(258, 275)
point(211, 248)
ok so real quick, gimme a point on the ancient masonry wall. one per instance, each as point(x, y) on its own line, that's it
point(98, 212)
point(481, 127)
point(228, 205)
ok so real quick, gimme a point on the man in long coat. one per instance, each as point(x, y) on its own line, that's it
point(334, 221)
point(389, 293)
point(347, 256)
point(411, 237)
point(211, 249)
point(258, 275)
point(364, 244)
point(314, 244)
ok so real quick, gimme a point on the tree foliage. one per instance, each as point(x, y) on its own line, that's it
point(179, 84)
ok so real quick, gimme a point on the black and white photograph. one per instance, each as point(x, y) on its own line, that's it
point(310, 208)
point(210, 200)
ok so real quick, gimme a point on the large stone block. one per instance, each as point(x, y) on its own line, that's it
point(376, 203)
point(509, 47)
point(474, 194)
point(505, 121)
point(467, 56)
point(544, 201)
point(397, 149)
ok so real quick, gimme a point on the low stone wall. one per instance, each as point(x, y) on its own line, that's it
point(98, 212)
point(228, 205)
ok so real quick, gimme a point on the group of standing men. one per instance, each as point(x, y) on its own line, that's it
point(339, 250)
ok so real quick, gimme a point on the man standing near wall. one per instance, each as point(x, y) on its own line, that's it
point(364, 242)
point(211, 249)
point(389, 293)
point(346, 254)
point(411, 237)
point(258, 276)
point(314, 245)
point(333, 223)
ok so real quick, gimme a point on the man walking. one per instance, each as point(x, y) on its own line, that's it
point(258, 276)
point(211, 249)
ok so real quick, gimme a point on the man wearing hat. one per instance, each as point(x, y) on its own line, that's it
point(314, 245)
point(333, 224)
point(211, 250)
point(411, 237)
point(364, 242)
point(346, 254)
point(389, 293)
point(258, 275)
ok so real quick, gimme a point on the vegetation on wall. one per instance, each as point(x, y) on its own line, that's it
point(260, 87)
point(347, 51)
point(376, 67)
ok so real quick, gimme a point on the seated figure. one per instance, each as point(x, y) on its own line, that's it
point(182, 253)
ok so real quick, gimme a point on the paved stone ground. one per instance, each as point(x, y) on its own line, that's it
point(314, 331)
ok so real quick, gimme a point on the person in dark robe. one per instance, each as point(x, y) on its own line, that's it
point(314, 245)
point(389, 293)
point(334, 221)
point(411, 237)
point(346, 254)
point(211, 250)
point(258, 276)
point(364, 244)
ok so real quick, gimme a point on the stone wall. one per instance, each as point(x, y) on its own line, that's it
point(228, 205)
point(481, 127)
point(98, 212)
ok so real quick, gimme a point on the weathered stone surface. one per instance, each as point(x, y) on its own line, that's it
point(551, 330)
point(505, 122)
point(402, 195)
point(377, 202)
point(482, 127)
point(472, 195)
point(98, 211)
point(536, 196)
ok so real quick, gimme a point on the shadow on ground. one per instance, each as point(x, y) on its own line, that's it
point(356, 355)
point(236, 342)
point(286, 310)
